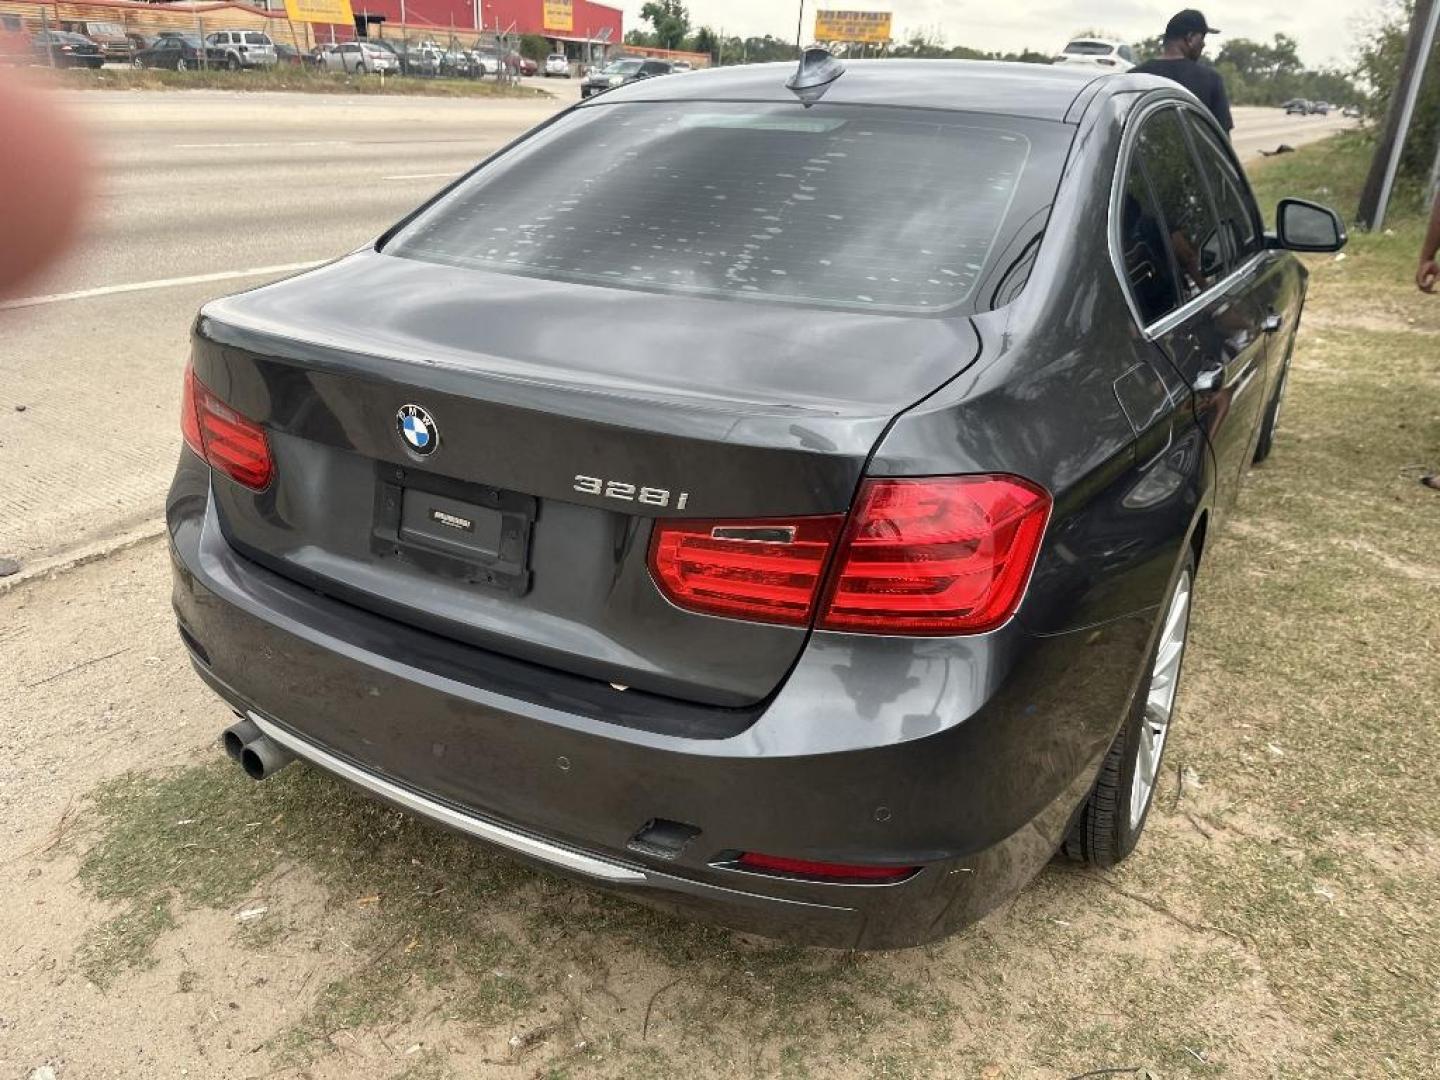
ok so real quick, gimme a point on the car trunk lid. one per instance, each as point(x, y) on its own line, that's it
point(568, 418)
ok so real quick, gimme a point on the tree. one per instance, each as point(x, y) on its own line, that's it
point(1379, 68)
point(670, 20)
point(1146, 49)
point(534, 47)
point(705, 41)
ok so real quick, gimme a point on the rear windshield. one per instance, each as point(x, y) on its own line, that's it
point(869, 208)
point(1089, 48)
point(624, 67)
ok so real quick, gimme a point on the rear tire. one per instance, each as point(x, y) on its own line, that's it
point(233, 63)
point(1266, 442)
point(1112, 819)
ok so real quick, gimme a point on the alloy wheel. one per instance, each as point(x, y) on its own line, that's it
point(1160, 699)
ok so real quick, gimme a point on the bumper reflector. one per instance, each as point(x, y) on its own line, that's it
point(840, 873)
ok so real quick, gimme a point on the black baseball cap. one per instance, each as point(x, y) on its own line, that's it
point(1187, 22)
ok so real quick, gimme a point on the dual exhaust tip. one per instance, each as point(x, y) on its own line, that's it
point(259, 755)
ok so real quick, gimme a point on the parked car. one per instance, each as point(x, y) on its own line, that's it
point(1320, 108)
point(421, 59)
point(557, 64)
point(619, 72)
point(523, 65)
point(237, 49)
point(110, 36)
point(359, 58)
point(484, 63)
point(289, 55)
point(677, 66)
point(459, 62)
point(174, 52)
point(1103, 53)
point(1352, 112)
point(825, 597)
point(1299, 107)
point(65, 49)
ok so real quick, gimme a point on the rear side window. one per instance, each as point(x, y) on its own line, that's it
point(1183, 201)
point(843, 206)
point(1239, 217)
point(1144, 249)
point(256, 39)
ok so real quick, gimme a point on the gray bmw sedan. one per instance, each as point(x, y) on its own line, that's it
point(791, 517)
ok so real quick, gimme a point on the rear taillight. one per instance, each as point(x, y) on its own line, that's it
point(765, 571)
point(935, 555)
point(222, 437)
point(838, 873)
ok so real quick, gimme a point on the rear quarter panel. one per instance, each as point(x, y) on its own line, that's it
point(1044, 402)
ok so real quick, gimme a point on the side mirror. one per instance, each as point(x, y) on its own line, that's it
point(1307, 226)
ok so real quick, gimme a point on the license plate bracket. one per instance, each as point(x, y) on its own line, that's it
point(458, 531)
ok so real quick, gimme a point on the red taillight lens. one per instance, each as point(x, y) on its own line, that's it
point(823, 871)
point(766, 571)
point(937, 555)
point(189, 418)
point(226, 440)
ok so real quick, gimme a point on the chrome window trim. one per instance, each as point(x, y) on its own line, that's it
point(1169, 321)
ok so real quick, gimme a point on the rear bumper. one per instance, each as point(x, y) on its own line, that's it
point(968, 761)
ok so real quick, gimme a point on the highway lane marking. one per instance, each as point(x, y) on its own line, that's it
point(161, 283)
point(423, 176)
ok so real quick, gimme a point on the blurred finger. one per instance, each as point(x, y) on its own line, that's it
point(44, 183)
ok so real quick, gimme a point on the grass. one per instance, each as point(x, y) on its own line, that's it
point(1281, 918)
point(288, 79)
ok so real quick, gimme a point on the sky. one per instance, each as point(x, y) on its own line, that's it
point(1325, 29)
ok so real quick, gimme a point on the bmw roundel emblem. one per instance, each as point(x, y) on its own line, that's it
point(417, 430)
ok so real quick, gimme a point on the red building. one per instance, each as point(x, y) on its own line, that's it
point(566, 21)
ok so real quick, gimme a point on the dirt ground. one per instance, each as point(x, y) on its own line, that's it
point(162, 916)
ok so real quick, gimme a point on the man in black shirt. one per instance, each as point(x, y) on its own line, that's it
point(1180, 62)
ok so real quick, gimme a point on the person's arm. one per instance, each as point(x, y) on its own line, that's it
point(1427, 275)
point(1220, 106)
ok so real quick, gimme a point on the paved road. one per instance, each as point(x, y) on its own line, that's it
point(212, 183)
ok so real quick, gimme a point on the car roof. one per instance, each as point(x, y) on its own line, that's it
point(1031, 90)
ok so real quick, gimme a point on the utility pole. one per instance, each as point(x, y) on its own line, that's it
point(799, 26)
point(1375, 197)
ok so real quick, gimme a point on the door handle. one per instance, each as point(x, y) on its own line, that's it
point(1209, 378)
point(1272, 323)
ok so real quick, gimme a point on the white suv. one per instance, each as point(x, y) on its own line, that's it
point(556, 64)
point(238, 49)
point(359, 57)
point(1103, 53)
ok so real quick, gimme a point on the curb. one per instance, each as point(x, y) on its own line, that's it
point(86, 553)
